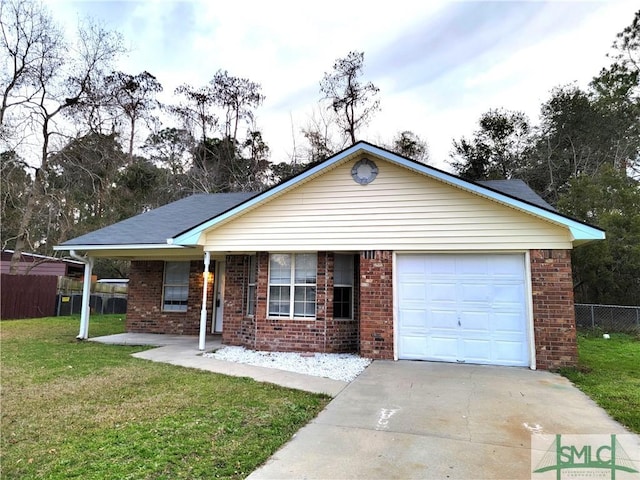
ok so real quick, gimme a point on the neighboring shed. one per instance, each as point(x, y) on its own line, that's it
point(34, 264)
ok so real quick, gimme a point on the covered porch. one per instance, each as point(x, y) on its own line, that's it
point(193, 305)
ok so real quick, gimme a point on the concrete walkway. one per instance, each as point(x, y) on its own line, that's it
point(436, 420)
point(410, 419)
point(182, 350)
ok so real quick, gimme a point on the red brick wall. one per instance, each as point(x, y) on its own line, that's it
point(322, 334)
point(237, 328)
point(371, 332)
point(144, 304)
point(376, 304)
point(553, 310)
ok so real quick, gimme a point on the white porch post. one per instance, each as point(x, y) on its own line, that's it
point(86, 294)
point(203, 311)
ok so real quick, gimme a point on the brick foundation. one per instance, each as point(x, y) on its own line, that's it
point(553, 309)
point(144, 305)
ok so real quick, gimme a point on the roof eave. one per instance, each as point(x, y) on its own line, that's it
point(145, 246)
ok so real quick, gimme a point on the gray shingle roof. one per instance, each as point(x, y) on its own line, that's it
point(517, 189)
point(155, 226)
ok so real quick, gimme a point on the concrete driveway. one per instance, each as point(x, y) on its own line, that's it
point(435, 420)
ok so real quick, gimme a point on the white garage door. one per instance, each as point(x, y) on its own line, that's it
point(462, 308)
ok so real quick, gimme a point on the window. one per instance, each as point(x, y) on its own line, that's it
point(251, 287)
point(292, 285)
point(343, 286)
point(175, 290)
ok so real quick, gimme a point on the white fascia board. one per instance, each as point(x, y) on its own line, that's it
point(192, 237)
point(146, 246)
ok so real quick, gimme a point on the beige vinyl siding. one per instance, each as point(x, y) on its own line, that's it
point(401, 210)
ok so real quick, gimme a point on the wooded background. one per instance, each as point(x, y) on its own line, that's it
point(83, 146)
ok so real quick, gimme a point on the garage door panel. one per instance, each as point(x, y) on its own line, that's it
point(472, 265)
point(508, 293)
point(414, 319)
point(507, 322)
point(414, 346)
point(440, 265)
point(442, 292)
point(509, 353)
point(475, 291)
point(443, 348)
point(438, 319)
point(475, 321)
point(506, 265)
point(415, 291)
point(465, 307)
point(476, 350)
point(412, 265)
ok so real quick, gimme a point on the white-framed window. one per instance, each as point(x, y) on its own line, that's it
point(292, 285)
point(251, 286)
point(175, 287)
point(343, 287)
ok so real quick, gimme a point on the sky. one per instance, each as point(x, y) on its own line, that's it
point(439, 64)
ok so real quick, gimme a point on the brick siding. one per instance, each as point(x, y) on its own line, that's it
point(321, 334)
point(376, 304)
point(144, 305)
point(237, 328)
point(370, 332)
point(553, 310)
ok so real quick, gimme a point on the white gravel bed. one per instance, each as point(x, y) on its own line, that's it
point(338, 366)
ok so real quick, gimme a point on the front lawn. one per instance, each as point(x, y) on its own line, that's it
point(84, 410)
point(609, 372)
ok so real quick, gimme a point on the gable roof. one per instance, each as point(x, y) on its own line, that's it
point(516, 194)
point(179, 224)
point(156, 226)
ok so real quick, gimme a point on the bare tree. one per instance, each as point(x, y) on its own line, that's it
point(195, 110)
point(49, 79)
point(352, 101)
point(222, 161)
point(134, 97)
point(238, 97)
point(30, 48)
point(320, 144)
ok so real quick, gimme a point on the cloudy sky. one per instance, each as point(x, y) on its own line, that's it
point(439, 64)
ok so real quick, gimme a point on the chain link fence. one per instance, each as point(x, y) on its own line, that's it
point(609, 318)
point(105, 298)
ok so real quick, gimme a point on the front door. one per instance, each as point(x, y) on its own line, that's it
point(218, 298)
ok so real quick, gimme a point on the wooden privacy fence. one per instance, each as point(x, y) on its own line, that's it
point(27, 296)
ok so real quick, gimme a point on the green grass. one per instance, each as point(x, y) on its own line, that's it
point(609, 372)
point(84, 410)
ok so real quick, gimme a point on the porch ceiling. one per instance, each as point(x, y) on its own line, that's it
point(142, 252)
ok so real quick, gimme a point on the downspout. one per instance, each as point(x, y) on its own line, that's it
point(203, 311)
point(86, 294)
